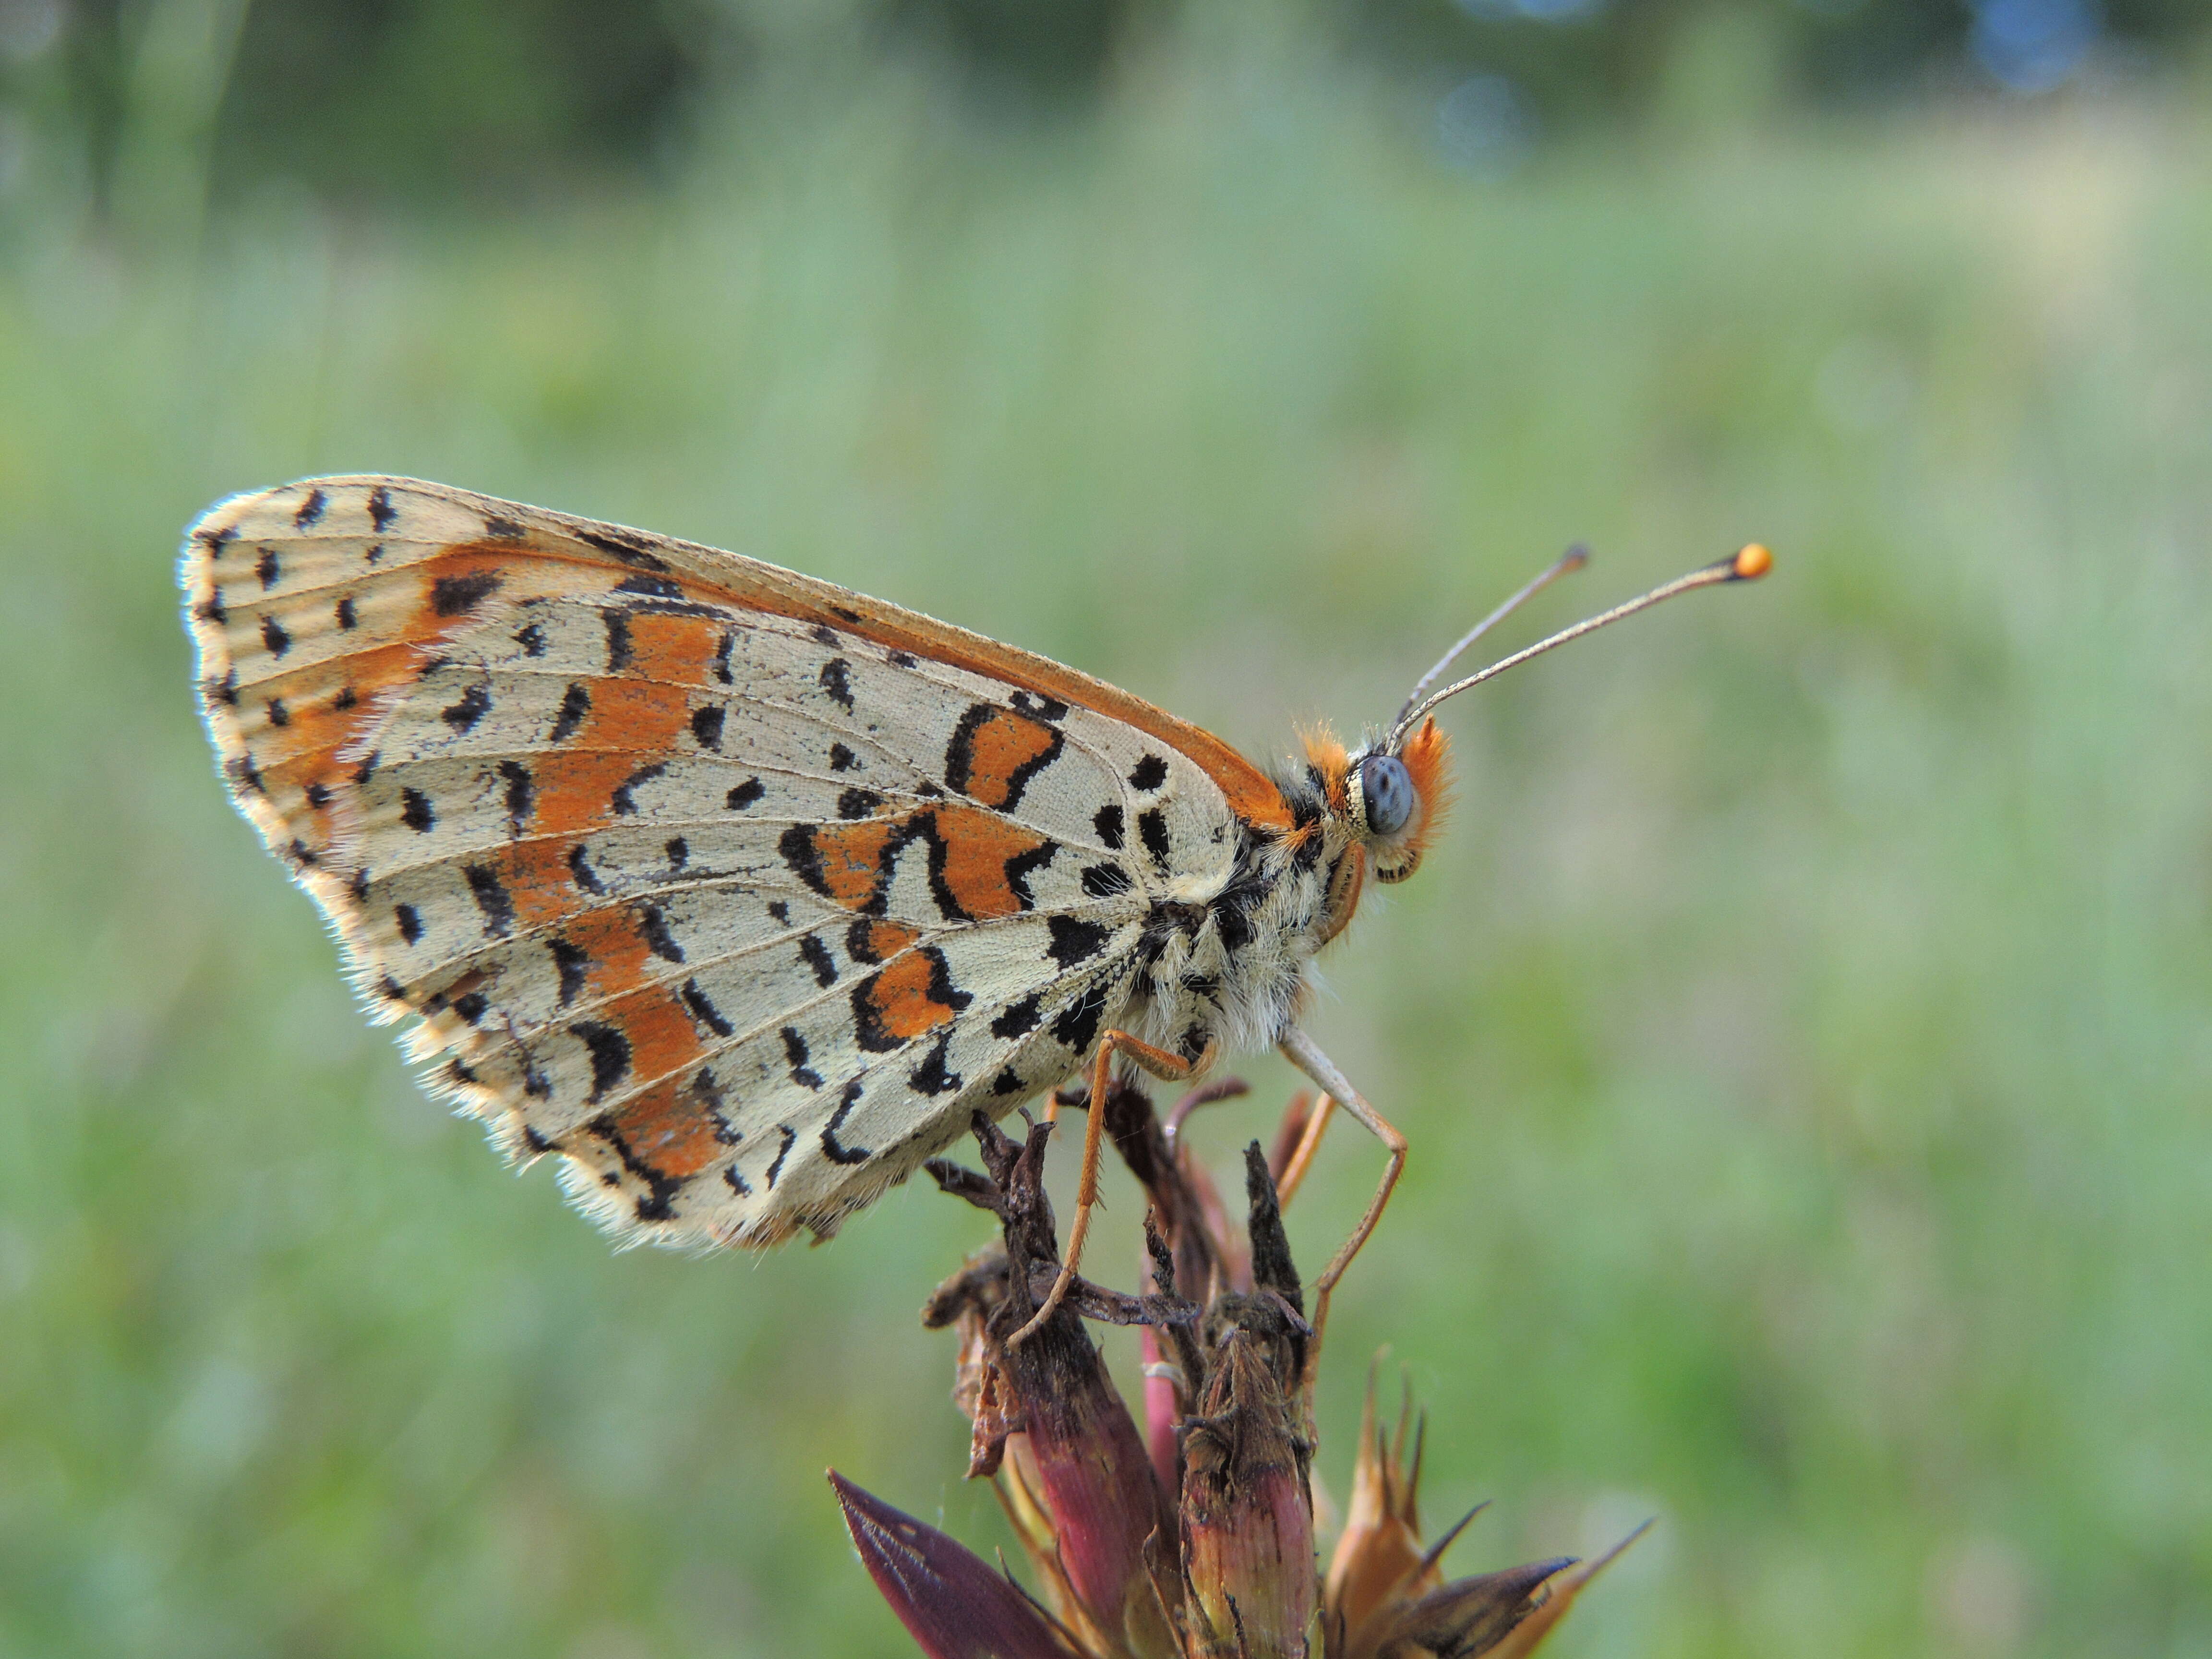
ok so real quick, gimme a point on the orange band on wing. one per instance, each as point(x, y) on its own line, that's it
point(850, 858)
point(980, 850)
point(679, 650)
point(880, 941)
point(902, 999)
point(997, 750)
point(662, 1038)
point(668, 1133)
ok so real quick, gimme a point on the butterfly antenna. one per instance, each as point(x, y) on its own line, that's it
point(1573, 559)
point(1748, 564)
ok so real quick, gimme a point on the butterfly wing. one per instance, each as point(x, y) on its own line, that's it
point(740, 891)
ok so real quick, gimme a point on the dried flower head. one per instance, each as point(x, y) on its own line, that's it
point(1195, 1539)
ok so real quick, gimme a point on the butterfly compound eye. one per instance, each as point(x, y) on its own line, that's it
point(1386, 794)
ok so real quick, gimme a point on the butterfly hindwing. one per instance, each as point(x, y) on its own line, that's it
point(745, 911)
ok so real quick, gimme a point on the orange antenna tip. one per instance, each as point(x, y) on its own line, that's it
point(1752, 561)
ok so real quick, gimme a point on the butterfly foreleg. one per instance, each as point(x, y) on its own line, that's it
point(1302, 1052)
point(1168, 1069)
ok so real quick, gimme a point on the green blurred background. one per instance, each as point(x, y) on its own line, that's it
point(1800, 1031)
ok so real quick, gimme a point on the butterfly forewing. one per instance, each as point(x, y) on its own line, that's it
point(741, 892)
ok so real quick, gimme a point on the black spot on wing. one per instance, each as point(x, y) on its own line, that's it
point(705, 1011)
point(834, 681)
point(790, 1136)
point(278, 714)
point(1152, 830)
point(858, 803)
point(1105, 880)
point(623, 801)
point(491, 897)
point(842, 759)
point(498, 529)
point(722, 657)
point(621, 652)
point(816, 955)
point(310, 510)
point(707, 726)
point(410, 922)
point(1079, 1022)
point(622, 548)
point(933, 1076)
point(415, 812)
point(1018, 1019)
point(532, 638)
point(651, 587)
point(610, 1053)
point(1075, 941)
point(1007, 1082)
point(795, 1055)
point(273, 637)
point(580, 867)
point(348, 618)
point(451, 595)
point(318, 795)
point(474, 703)
point(745, 794)
point(679, 853)
point(831, 1148)
point(267, 569)
point(1107, 824)
point(1148, 775)
point(521, 792)
point(652, 929)
point(472, 1005)
point(572, 963)
point(1039, 706)
point(381, 512)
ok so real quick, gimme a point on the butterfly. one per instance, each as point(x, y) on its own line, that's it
point(742, 893)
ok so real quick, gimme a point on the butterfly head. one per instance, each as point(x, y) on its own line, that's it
point(1396, 799)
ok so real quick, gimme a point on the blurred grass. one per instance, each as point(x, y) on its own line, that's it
point(1800, 1031)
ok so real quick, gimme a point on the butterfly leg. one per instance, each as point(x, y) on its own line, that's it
point(1170, 1068)
point(1302, 1156)
point(1301, 1051)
